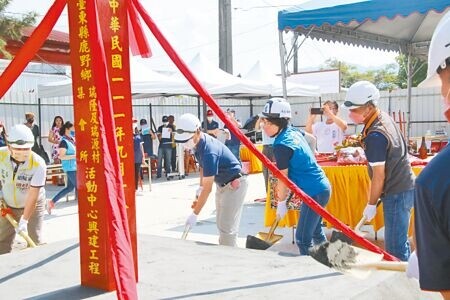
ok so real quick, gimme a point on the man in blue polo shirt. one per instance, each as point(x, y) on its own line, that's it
point(219, 165)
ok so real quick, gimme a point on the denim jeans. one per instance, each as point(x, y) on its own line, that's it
point(309, 227)
point(164, 152)
point(71, 184)
point(397, 211)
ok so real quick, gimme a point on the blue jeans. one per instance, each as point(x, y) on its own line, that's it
point(309, 227)
point(164, 152)
point(397, 211)
point(71, 185)
point(235, 150)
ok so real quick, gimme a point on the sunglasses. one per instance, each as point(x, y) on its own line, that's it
point(350, 104)
point(21, 142)
point(181, 131)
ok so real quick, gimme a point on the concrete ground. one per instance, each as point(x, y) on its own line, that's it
point(170, 268)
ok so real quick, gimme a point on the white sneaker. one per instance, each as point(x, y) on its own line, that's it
point(139, 193)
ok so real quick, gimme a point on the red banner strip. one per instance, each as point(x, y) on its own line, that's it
point(138, 41)
point(116, 208)
point(31, 46)
point(216, 108)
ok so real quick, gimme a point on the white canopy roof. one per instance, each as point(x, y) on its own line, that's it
point(222, 84)
point(258, 73)
point(144, 83)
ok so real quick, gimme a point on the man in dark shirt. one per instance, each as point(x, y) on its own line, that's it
point(212, 127)
point(232, 142)
point(164, 134)
point(432, 191)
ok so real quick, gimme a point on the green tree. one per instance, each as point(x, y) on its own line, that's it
point(10, 27)
point(419, 69)
point(384, 79)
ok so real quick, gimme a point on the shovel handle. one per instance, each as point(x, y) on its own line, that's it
point(23, 234)
point(383, 265)
point(272, 229)
point(186, 231)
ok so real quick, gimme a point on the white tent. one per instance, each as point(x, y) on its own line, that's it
point(222, 84)
point(258, 73)
point(144, 83)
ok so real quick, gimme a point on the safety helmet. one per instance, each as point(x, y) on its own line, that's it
point(438, 52)
point(276, 108)
point(20, 136)
point(187, 126)
point(360, 93)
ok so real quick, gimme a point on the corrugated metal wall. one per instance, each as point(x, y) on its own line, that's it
point(426, 106)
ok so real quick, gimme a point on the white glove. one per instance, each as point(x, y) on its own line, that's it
point(412, 270)
point(23, 225)
point(281, 209)
point(198, 192)
point(191, 220)
point(370, 211)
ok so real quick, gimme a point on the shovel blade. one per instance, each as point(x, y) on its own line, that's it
point(273, 239)
point(337, 235)
point(255, 243)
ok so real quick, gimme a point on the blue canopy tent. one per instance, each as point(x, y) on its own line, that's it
point(404, 26)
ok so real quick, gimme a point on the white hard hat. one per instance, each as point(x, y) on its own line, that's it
point(187, 125)
point(20, 136)
point(276, 108)
point(360, 93)
point(439, 51)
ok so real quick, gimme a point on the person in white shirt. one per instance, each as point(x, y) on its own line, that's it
point(22, 181)
point(329, 133)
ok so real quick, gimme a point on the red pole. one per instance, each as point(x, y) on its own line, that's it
point(216, 108)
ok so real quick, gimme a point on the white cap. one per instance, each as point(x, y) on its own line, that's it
point(276, 108)
point(439, 51)
point(20, 136)
point(187, 125)
point(360, 93)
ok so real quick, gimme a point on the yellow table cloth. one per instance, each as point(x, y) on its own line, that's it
point(350, 188)
point(247, 155)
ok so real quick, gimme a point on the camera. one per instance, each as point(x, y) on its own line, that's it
point(316, 111)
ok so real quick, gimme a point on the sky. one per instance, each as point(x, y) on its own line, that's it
point(192, 27)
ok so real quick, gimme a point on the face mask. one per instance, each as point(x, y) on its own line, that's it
point(356, 118)
point(144, 127)
point(190, 145)
point(209, 119)
point(72, 133)
point(20, 155)
point(1, 129)
point(30, 120)
point(165, 123)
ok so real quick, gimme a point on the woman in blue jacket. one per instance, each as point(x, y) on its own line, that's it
point(67, 154)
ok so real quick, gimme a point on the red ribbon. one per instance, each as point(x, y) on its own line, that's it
point(31, 47)
point(122, 258)
point(6, 211)
point(138, 41)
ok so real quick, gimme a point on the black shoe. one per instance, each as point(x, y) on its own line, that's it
point(158, 176)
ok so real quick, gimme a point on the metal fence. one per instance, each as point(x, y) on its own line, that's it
point(426, 107)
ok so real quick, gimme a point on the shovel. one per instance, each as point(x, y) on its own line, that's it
point(337, 235)
point(6, 212)
point(346, 258)
point(263, 240)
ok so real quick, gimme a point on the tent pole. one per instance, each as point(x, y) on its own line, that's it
point(198, 107)
point(283, 66)
point(40, 121)
point(409, 86)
